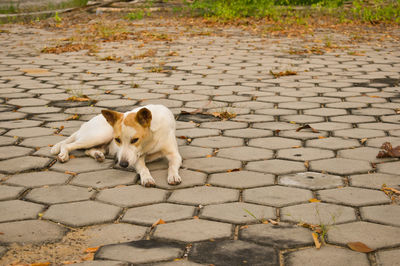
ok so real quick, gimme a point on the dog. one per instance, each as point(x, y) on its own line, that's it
point(142, 135)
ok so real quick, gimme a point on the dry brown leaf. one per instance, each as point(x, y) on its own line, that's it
point(107, 92)
point(317, 243)
point(70, 173)
point(265, 222)
point(307, 126)
point(234, 170)
point(359, 246)
point(244, 227)
point(92, 249)
point(84, 98)
point(314, 200)
point(73, 117)
point(296, 147)
point(306, 164)
point(321, 137)
point(363, 140)
point(72, 157)
point(209, 155)
point(283, 73)
point(159, 221)
point(40, 264)
point(195, 217)
point(389, 151)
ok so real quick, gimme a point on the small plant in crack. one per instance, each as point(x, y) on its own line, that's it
point(260, 220)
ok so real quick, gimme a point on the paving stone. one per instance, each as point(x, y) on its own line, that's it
point(6, 140)
point(142, 251)
point(25, 163)
point(373, 235)
point(274, 143)
point(222, 125)
point(58, 194)
point(148, 215)
point(275, 112)
point(248, 133)
point(82, 213)
point(389, 168)
point(197, 132)
point(211, 165)
point(18, 210)
point(377, 142)
point(113, 234)
point(39, 110)
point(130, 196)
point(277, 196)
point(30, 231)
point(41, 141)
point(241, 179)
point(275, 126)
point(105, 178)
point(340, 166)
point(237, 212)
point(332, 143)
point(327, 255)
point(282, 235)
point(9, 192)
point(387, 257)
point(253, 118)
point(362, 153)
point(101, 263)
point(233, 252)
point(301, 119)
point(311, 180)
point(375, 180)
point(318, 213)
point(391, 118)
point(38, 179)
point(355, 119)
point(373, 111)
point(194, 152)
point(28, 102)
point(353, 196)
point(380, 126)
point(298, 105)
point(81, 165)
point(245, 153)
point(7, 152)
point(278, 167)
point(189, 179)
point(217, 142)
point(203, 195)
point(304, 154)
point(325, 112)
point(30, 132)
point(193, 230)
point(19, 124)
point(303, 135)
point(382, 214)
point(330, 126)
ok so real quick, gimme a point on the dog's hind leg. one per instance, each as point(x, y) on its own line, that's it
point(97, 153)
point(63, 156)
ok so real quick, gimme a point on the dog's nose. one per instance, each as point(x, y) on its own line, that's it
point(124, 164)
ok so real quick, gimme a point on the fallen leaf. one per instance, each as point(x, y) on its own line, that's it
point(265, 222)
point(389, 151)
point(84, 98)
point(297, 146)
point(72, 157)
point(306, 164)
point(107, 92)
point(159, 221)
point(70, 173)
point(307, 126)
point(321, 137)
point(314, 200)
point(88, 257)
point(317, 243)
point(209, 155)
point(73, 117)
point(283, 73)
point(273, 222)
point(1, 233)
point(234, 170)
point(359, 246)
point(363, 140)
point(91, 250)
point(195, 217)
point(244, 227)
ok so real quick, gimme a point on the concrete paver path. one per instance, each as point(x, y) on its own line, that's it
point(236, 173)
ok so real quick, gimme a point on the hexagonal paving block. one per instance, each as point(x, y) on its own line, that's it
point(203, 195)
point(304, 154)
point(355, 119)
point(363, 153)
point(389, 168)
point(30, 132)
point(41, 142)
point(9, 192)
point(245, 153)
point(197, 132)
point(380, 126)
point(325, 112)
point(19, 124)
point(354, 196)
point(18, 210)
point(25, 163)
point(311, 180)
point(332, 143)
point(114, 233)
point(7, 152)
point(217, 142)
point(241, 179)
point(275, 125)
point(82, 213)
point(375, 180)
point(6, 140)
point(168, 212)
point(81, 165)
point(129, 196)
point(140, 252)
point(193, 230)
point(388, 257)
point(233, 252)
point(276, 196)
point(237, 212)
point(327, 256)
point(274, 143)
point(318, 213)
point(383, 214)
point(222, 125)
point(38, 179)
point(282, 235)
point(30, 231)
point(194, 152)
point(340, 166)
point(58, 194)
point(373, 235)
point(330, 126)
point(377, 142)
point(211, 165)
point(303, 135)
point(359, 133)
point(189, 179)
point(278, 167)
point(248, 133)
point(300, 119)
point(105, 178)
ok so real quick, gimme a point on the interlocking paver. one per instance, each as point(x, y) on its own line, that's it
point(204, 195)
point(304, 154)
point(387, 257)
point(277, 167)
point(217, 142)
point(245, 153)
point(82, 165)
point(340, 166)
point(13, 210)
point(311, 180)
point(374, 180)
point(241, 179)
point(353, 196)
point(389, 168)
point(58, 194)
point(10, 192)
point(274, 143)
point(277, 196)
point(105, 178)
point(332, 143)
point(25, 163)
point(212, 164)
point(385, 214)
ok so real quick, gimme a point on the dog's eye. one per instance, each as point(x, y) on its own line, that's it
point(118, 140)
point(133, 141)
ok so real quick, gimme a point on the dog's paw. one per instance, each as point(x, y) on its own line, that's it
point(63, 157)
point(147, 181)
point(99, 156)
point(174, 180)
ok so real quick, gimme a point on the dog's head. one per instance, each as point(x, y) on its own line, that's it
point(130, 133)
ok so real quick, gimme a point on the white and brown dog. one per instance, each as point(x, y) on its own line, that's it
point(142, 135)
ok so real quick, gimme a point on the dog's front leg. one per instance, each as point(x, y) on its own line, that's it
point(145, 177)
point(174, 162)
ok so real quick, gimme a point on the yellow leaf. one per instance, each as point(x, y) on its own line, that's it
point(70, 173)
point(208, 155)
point(292, 122)
point(273, 222)
point(159, 221)
point(359, 246)
point(363, 140)
point(91, 250)
point(321, 137)
point(295, 147)
point(306, 164)
point(314, 200)
point(316, 240)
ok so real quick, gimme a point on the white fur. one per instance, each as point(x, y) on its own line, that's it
point(96, 136)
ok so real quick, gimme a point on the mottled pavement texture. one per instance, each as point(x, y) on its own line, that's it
point(236, 172)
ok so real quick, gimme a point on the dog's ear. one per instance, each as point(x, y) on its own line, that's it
point(111, 116)
point(143, 117)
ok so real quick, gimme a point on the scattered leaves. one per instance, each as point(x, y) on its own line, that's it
point(58, 130)
point(359, 246)
point(73, 117)
point(92, 249)
point(40, 264)
point(389, 151)
point(82, 98)
point(283, 73)
point(317, 243)
point(307, 126)
point(224, 115)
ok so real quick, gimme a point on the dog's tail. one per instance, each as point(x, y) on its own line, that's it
point(57, 147)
